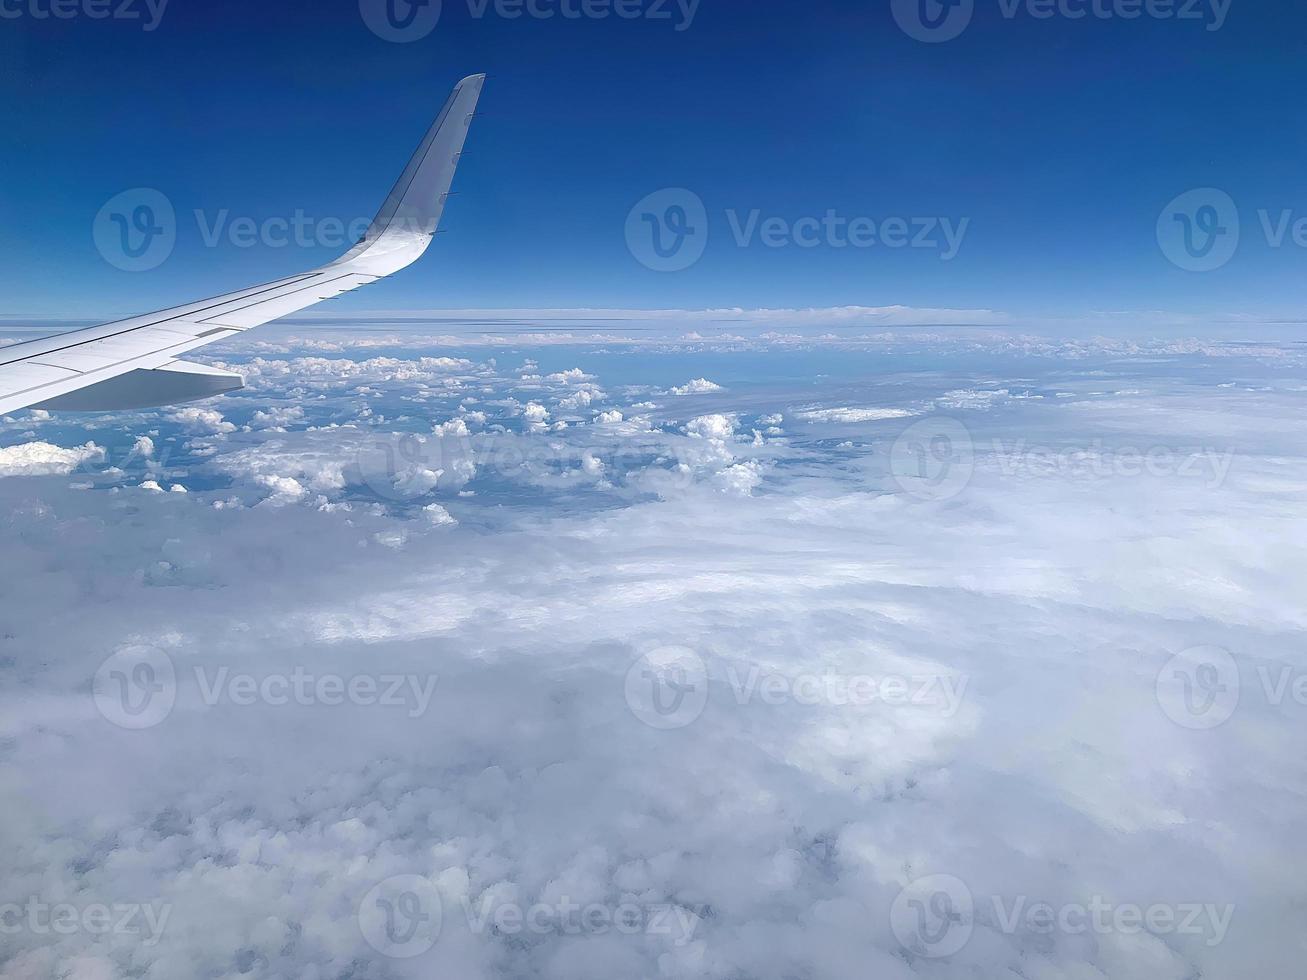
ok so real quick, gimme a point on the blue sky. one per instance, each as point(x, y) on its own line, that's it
point(1059, 141)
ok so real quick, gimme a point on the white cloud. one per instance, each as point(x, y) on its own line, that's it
point(853, 415)
point(699, 386)
point(719, 427)
point(782, 825)
point(45, 459)
point(456, 428)
point(570, 376)
point(277, 417)
point(285, 490)
point(742, 478)
point(437, 515)
point(201, 420)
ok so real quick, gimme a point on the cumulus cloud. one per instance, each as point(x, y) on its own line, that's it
point(208, 420)
point(720, 427)
point(277, 417)
point(436, 514)
point(284, 489)
point(699, 386)
point(751, 695)
point(45, 459)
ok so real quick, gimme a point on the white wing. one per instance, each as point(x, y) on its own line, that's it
point(132, 363)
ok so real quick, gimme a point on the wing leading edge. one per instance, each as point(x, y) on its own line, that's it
point(133, 363)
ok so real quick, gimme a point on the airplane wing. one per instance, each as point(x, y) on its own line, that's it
point(133, 363)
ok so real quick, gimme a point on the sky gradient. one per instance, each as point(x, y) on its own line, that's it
point(1056, 143)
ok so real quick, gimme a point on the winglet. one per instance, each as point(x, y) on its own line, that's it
point(416, 202)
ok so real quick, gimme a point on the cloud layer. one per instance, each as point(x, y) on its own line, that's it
point(454, 673)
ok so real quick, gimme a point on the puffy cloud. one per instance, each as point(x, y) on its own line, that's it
point(45, 459)
point(867, 679)
point(277, 417)
point(285, 489)
point(436, 514)
point(570, 376)
point(456, 428)
point(699, 386)
point(535, 412)
point(582, 398)
point(202, 420)
point(741, 478)
point(720, 427)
